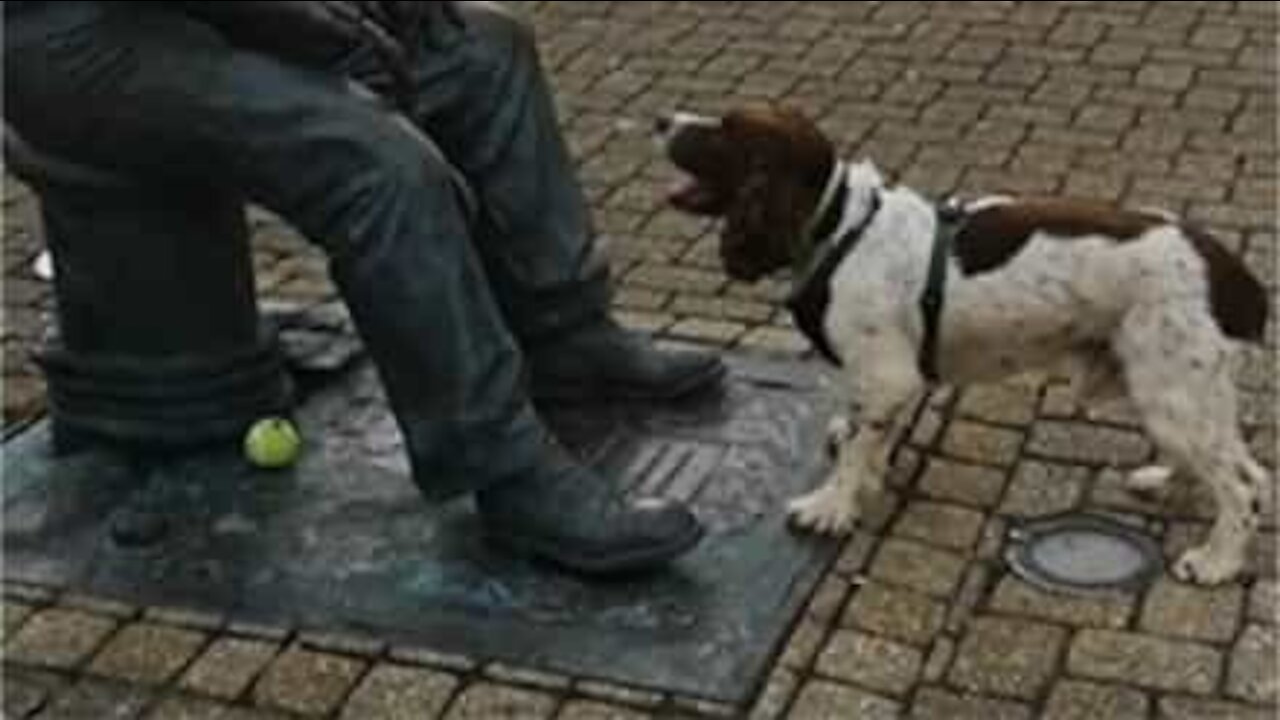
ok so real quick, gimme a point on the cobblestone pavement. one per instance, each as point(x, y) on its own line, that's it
point(1170, 103)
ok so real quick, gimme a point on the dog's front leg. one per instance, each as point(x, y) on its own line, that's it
point(886, 382)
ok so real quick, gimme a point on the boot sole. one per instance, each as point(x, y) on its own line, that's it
point(621, 563)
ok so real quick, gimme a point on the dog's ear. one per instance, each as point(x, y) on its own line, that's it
point(763, 221)
point(745, 219)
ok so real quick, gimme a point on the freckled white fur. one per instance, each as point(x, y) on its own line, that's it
point(1134, 316)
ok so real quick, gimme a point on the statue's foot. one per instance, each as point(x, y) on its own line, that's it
point(564, 514)
point(603, 361)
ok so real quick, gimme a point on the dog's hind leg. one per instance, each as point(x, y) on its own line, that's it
point(1177, 366)
point(885, 381)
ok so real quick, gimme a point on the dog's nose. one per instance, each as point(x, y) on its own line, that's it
point(662, 124)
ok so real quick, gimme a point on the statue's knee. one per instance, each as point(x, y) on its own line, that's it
point(379, 176)
point(499, 24)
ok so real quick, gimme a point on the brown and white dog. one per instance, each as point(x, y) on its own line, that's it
point(1146, 304)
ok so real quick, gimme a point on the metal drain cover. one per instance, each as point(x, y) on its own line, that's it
point(1083, 554)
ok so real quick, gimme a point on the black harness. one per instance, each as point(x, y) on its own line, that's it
point(808, 302)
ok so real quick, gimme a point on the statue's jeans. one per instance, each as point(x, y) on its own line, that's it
point(457, 233)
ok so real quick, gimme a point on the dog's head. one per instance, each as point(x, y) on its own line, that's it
point(762, 169)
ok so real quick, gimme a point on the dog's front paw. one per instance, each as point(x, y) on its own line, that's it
point(1200, 566)
point(826, 511)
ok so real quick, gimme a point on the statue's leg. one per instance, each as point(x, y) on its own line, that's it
point(480, 91)
point(139, 89)
point(482, 95)
point(156, 95)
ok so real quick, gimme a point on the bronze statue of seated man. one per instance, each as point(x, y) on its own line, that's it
point(417, 143)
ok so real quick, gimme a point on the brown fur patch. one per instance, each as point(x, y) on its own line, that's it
point(1238, 301)
point(995, 235)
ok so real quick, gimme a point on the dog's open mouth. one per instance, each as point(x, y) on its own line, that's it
point(697, 196)
point(688, 192)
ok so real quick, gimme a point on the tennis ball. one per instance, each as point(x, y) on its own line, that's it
point(272, 443)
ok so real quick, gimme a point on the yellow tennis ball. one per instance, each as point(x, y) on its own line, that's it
point(272, 443)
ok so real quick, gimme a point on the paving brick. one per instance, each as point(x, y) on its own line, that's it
point(1008, 658)
point(490, 702)
point(15, 613)
point(900, 615)
point(674, 279)
point(803, 646)
point(628, 298)
point(1071, 700)
point(708, 331)
point(392, 692)
point(928, 428)
point(1007, 404)
point(937, 704)
point(774, 701)
point(819, 700)
point(1087, 444)
point(26, 693)
point(23, 398)
point(913, 566)
point(775, 340)
point(98, 700)
point(995, 534)
point(1147, 662)
point(1186, 708)
point(985, 444)
point(1253, 675)
point(1264, 602)
point(182, 708)
point(941, 656)
point(307, 683)
point(1117, 55)
point(647, 322)
point(147, 654)
point(977, 580)
point(1039, 489)
point(881, 666)
point(721, 309)
point(1015, 597)
point(829, 599)
point(58, 639)
point(964, 483)
point(949, 527)
point(1177, 610)
point(228, 667)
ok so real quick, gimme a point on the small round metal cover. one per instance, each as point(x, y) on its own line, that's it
point(1083, 554)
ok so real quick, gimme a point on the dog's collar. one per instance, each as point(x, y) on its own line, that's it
point(812, 294)
point(830, 209)
point(809, 301)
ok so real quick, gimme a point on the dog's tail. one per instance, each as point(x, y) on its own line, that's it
point(1237, 299)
